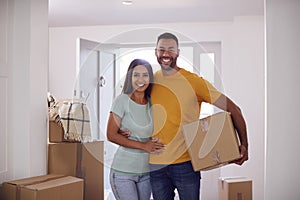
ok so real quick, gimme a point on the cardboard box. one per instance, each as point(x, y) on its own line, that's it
point(44, 187)
point(235, 189)
point(212, 141)
point(65, 188)
point(56, 133)
point(83, 160)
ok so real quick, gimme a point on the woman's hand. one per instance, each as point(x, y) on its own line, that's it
point(154, 146)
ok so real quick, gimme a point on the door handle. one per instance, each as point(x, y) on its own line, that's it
point(101, 81)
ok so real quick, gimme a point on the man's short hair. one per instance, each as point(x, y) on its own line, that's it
point(167, 36)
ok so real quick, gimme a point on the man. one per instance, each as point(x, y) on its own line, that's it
point(176, 98)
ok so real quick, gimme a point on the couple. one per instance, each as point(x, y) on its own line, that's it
point(175, 100)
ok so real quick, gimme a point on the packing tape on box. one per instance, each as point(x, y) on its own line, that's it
point(18, 187)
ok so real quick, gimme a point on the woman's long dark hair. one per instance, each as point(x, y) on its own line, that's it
point(128, 89)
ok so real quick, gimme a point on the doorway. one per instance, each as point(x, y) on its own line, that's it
point(101, 70)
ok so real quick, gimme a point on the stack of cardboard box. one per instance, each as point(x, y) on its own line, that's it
point(75, 172)
point(82, 160)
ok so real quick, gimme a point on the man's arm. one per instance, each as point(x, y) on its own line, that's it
point(239, 123)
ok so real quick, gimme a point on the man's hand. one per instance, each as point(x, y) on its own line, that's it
point(244, 155)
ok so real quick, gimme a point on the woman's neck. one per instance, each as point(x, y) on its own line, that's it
point(138, 97)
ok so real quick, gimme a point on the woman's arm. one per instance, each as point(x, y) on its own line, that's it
point(113, 135)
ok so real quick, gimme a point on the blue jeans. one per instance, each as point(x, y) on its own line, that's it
point(165, 178)
point(127, 187)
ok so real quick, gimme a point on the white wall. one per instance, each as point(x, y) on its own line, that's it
point(27, 81)
point(283, 69)
point(38, 73)
point(244, 82)
point(242, 69)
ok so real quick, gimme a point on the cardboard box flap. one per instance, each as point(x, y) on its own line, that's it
point(57, 189)
point(11, 189)
point(54, 183)
point(234, 179)
point(34, 180)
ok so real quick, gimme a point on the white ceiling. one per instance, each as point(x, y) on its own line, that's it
point(112, 12)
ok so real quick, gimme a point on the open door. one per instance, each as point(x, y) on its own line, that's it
point(96, 65)
point(96, 82)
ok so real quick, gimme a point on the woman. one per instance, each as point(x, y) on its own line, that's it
point(131, 112)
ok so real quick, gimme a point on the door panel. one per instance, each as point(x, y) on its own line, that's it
point(86, 84)
point(5, 7)
point(106, 88)
point(96, 83)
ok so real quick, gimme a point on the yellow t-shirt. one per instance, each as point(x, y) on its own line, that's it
point(176, 101)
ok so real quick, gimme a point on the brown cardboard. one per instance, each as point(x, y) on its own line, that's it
point(83, 160)
point(56, 133)
point(235, 189)
point(11, 189)
point(65, 188)
point(212, 141)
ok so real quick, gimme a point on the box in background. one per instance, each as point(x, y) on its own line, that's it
point(11, 189)
point(64, 188)
point(56, 133)
point(212, 141)
point(238, 188)
point(83, 160)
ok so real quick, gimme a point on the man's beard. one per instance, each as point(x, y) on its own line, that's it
point(167, 67)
